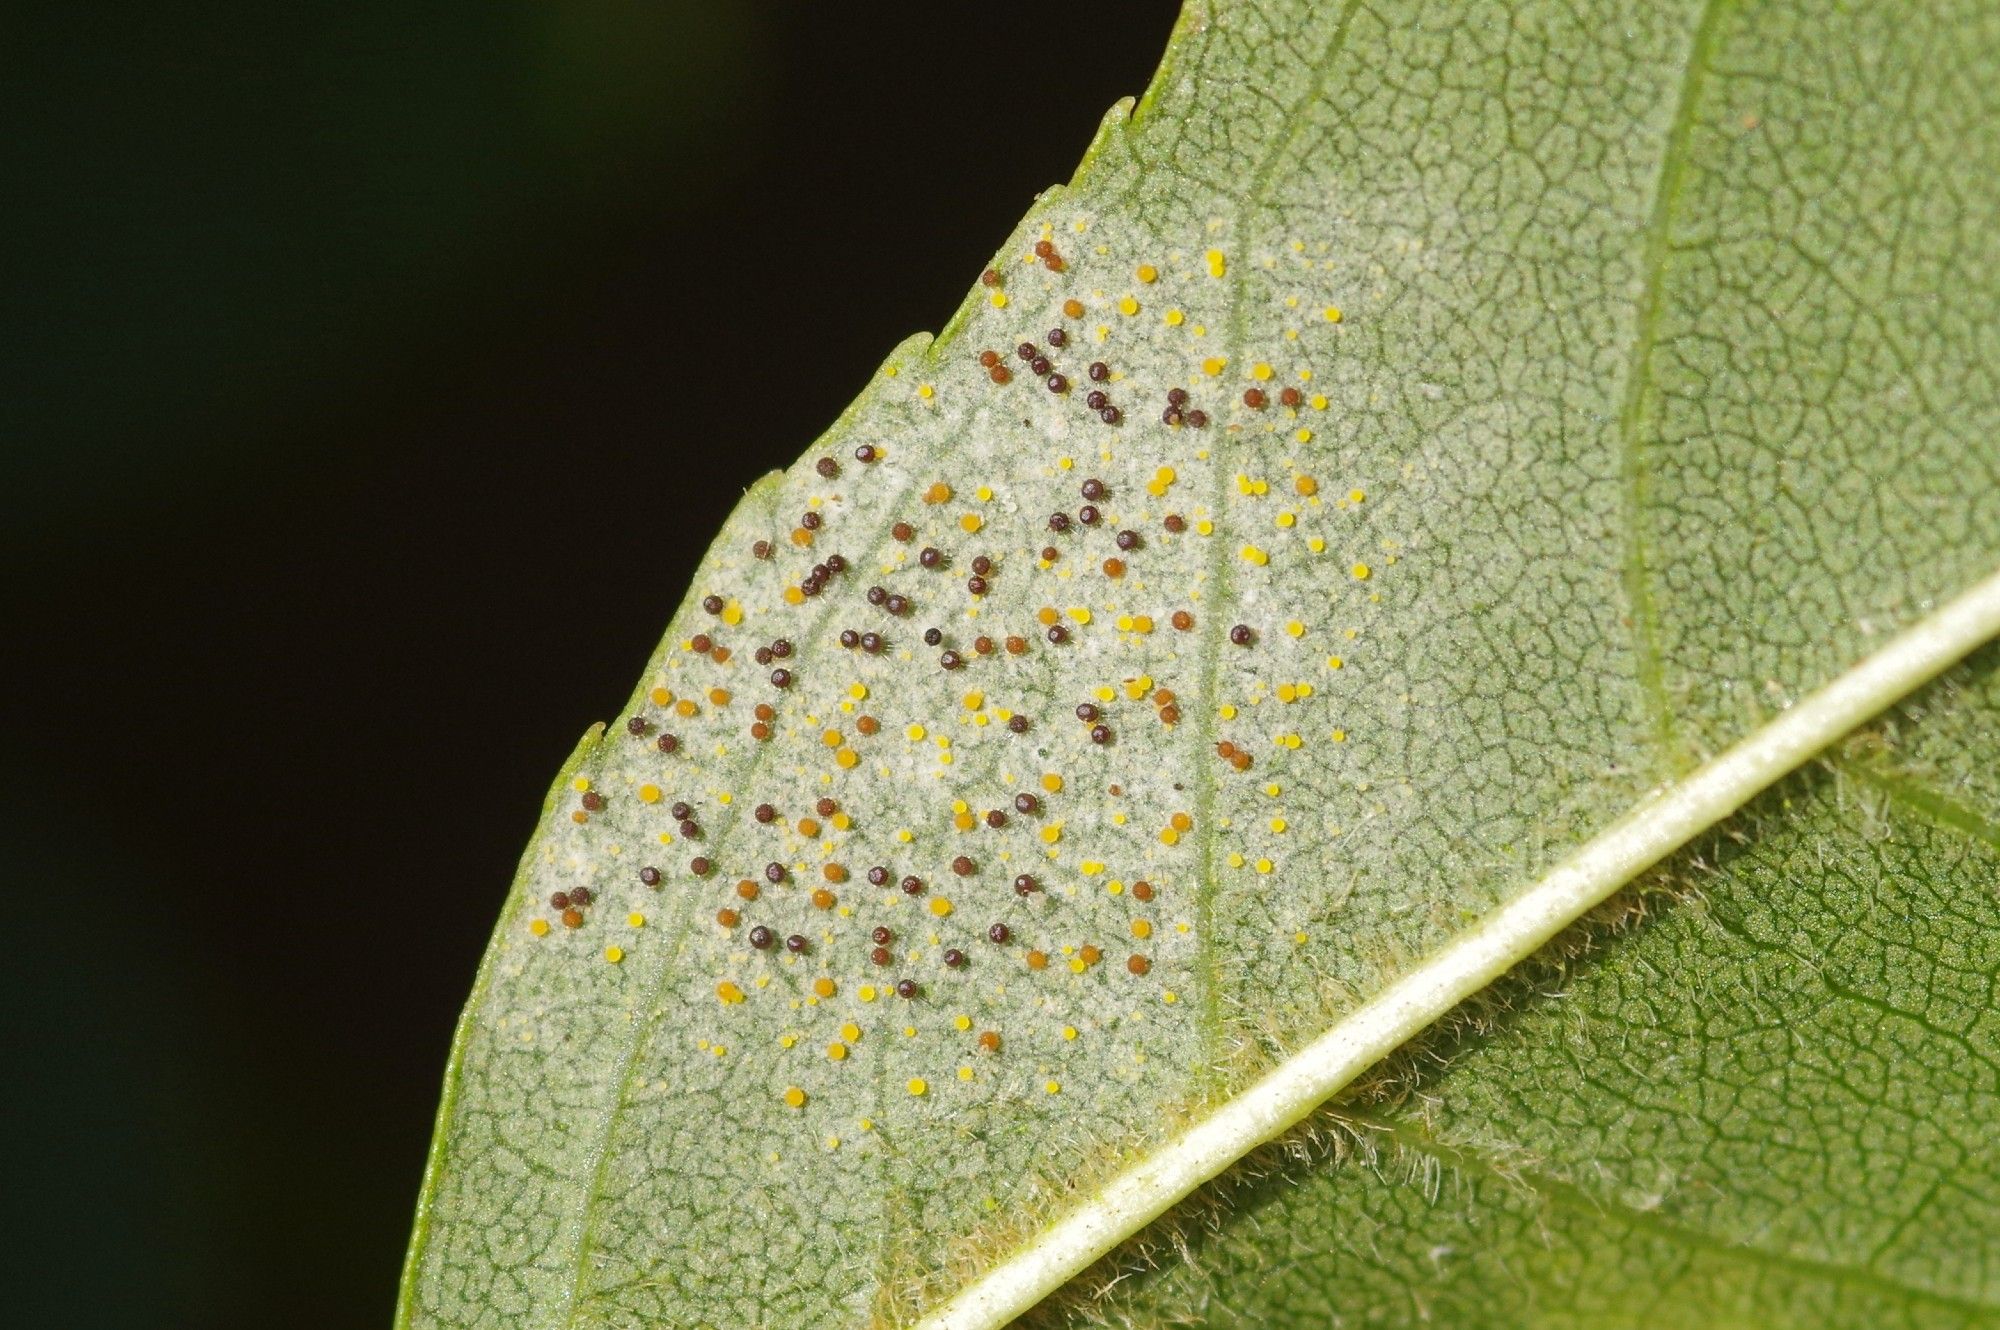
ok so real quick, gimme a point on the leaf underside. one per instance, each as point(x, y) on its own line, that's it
point(1582, 383)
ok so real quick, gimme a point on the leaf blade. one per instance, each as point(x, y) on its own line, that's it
point(1497, 699)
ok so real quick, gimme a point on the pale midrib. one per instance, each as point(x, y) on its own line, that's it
point(1215, 627)
point(1572, 1198)
point(1638, 382)
point(1657, 827)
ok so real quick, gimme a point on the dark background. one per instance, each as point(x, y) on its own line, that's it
point(375, 374)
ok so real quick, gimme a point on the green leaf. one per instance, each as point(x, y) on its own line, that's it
point(1644, 383)
point(1771, 1104)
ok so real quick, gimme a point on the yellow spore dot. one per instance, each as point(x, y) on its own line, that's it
point(1355, 496)
point(1213, 366)
point(825, 987)
point(965, 1073)
point(795, 1097)
point(926, 392)
point(581, 785)
point(998, 300)
point(1318, 401)
point(916, 1085)
point(1204, 527)
point(1127, 306)
point(1360, 571)
point(1251, 554)
point(1218, 264)
point(660, 697)
point(971, 522)
point(940, 906)
point(1261, 372)
point(1175, 318)
point(1142, 928)
point(1069, 1032)
point(1264, 865)
point(1295, 628)
point(539, 927)
point(962, 1022)
point(1148, 273)
point(837, 1051)
point(1053, 1087)
point(1331, 313)
point(1052, 782)
point(728, 992)
point(846, 758)
point(635, 920)
point(732, 614)
point(649, 794)
point(1168, 836)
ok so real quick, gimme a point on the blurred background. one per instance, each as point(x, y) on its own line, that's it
point(374, 375)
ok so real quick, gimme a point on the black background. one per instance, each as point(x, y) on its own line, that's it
point(376, 374)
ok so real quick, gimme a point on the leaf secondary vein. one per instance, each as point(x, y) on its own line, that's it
point(1567, 1196)
point(1638, 382)
point(1655, 828)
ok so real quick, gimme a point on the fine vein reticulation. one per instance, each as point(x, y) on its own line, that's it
point(1414, 435)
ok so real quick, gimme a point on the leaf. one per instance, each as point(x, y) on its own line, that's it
point(1644, 383)
point(1771, 1104)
